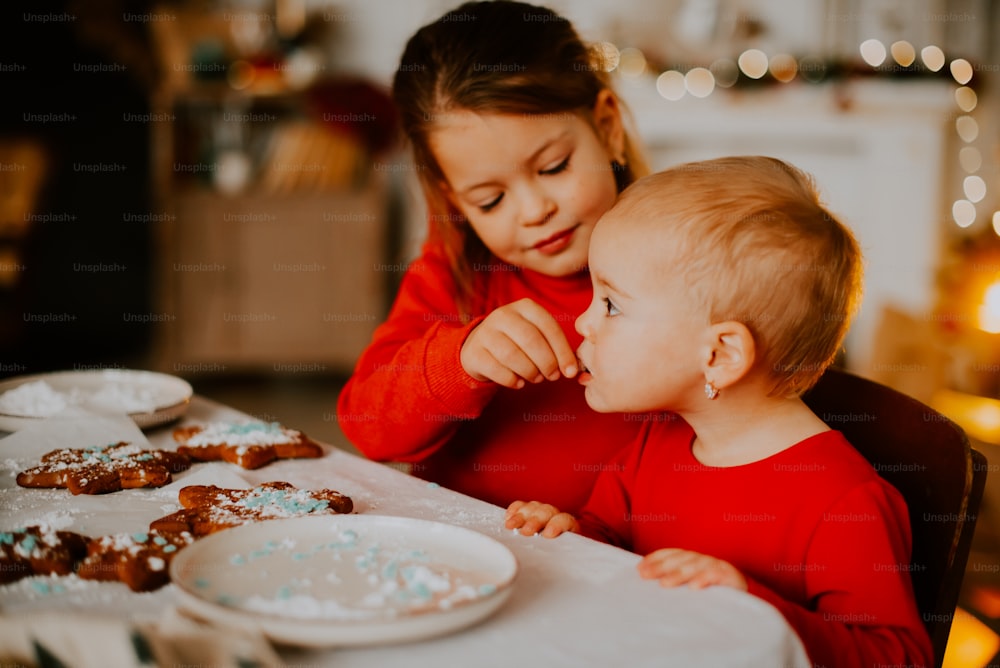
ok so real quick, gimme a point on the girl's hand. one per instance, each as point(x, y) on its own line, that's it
point(534, 517)
point(674, 567)
point(517, 343)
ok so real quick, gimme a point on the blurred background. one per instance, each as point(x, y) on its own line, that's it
point(216, 190)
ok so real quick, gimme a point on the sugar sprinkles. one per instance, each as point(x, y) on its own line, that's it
point(354, 580)
point(38, 399)
point(245, 433)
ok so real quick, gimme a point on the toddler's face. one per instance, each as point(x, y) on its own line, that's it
point(643, 332)
point(532, 187)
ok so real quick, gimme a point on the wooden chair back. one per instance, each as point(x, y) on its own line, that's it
point(927, 457)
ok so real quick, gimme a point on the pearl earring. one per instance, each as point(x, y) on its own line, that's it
point(711, 391)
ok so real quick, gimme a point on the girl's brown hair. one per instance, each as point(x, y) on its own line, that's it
point(499, 57)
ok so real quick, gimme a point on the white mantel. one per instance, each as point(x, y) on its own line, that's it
point(880, 161)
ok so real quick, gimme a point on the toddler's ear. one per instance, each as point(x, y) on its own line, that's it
point(731, 352)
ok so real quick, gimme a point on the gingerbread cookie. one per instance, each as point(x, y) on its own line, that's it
point(100, 469)
point(39, 550)
point(250, 444)
point(140, 560)
point(207, 508)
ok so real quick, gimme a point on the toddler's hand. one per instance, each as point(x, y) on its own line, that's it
point(674, 567)
point(534, 517)
point(517, 343)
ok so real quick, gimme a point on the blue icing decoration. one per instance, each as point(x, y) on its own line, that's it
point(160, 540)
point(140, 537)
point(201, 583)
point(420, 590)
point(258, 554)
point(284, 593)
point(28, 543)
point(390, 570)
point(486, 589)
point(169, 548)
point(58, 589)
point(6, 538)
point(227, 599)
point(253, 427)
point(237, 560)
point(41, 587)
point(144, 458)
point(433, 485)
point(299, 556)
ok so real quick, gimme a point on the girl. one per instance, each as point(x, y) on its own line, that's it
point(520, 146)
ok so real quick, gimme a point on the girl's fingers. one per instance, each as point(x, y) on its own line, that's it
point(500, 356)
point(558, 357)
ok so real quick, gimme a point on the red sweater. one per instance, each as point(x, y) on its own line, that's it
point(410, 400)
point(814, 529)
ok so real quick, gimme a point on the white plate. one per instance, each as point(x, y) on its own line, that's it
point(150, 398)
point(344, 580)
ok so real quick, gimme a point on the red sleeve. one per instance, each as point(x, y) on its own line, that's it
point(858, 576)
point(607, 514)
point(409, 391)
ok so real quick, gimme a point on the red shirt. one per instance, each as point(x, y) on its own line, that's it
point(410, 400)
point(814, 529)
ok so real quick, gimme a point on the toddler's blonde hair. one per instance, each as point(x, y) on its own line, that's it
point(757, 246)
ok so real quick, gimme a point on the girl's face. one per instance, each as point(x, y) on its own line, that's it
point(643, 333)
point(531, 187)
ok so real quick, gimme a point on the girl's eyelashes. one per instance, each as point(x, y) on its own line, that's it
point(610, 308)
point(489, 206)
point(558, 168)
point(561, 167)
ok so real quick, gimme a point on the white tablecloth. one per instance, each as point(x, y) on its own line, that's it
point(576, 602)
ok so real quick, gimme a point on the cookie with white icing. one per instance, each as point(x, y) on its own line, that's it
point(100, 469)
point(39, 550)
point(207, 508)
point(250, 445)
point(140, 560)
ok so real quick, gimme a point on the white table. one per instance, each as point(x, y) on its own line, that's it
point(576, 602)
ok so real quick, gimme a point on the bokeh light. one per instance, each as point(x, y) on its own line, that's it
point(606, 56)
point(961, 70)
point(903, 52)
point(725, 71)
point(699, 82)
point(974, 188)
point(631, 62)
point(753, 63)
point(812, 69)
point(783, 67)
point(933, 57)
point(964, 212)
point(966, 98)
point(967, 128)
point(970, 158)
point(670, 85)
point(873, 52)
